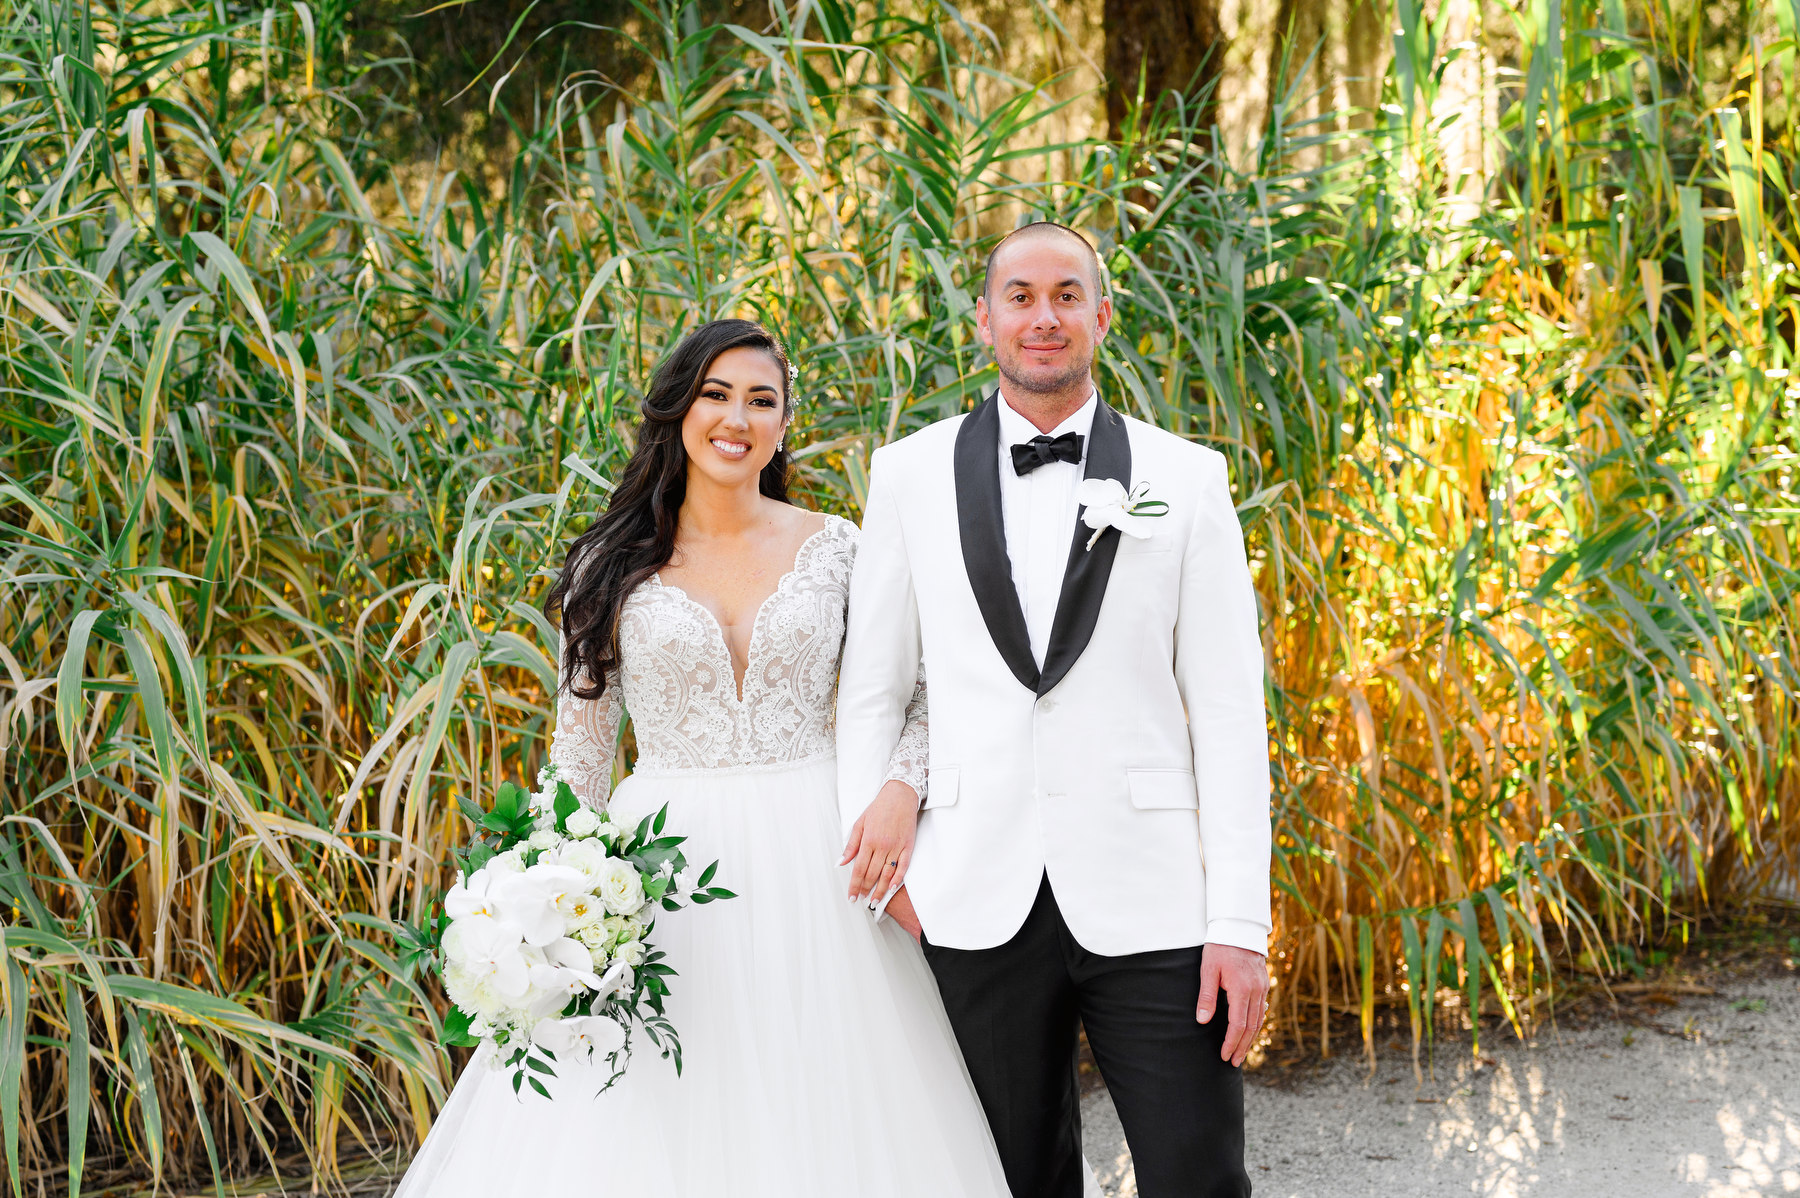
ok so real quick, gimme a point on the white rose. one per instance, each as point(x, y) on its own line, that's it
point(546, 838)
point(630, 953)
point(512, 861)
point(588, 856)
point(620, 887)
point(599, 955)
point(582, 822)
point(595, 936)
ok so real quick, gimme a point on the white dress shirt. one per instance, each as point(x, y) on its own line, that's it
point(1038, 510)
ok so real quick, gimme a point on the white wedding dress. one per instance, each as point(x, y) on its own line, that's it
point(817, 1058)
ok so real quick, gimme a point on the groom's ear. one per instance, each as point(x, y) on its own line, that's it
point(982, 330)
point(1103, 317)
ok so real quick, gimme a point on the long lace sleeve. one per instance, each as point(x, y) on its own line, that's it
point(586, 741)
point(907, 762)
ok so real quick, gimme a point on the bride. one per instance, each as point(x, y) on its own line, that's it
point(816, 1056)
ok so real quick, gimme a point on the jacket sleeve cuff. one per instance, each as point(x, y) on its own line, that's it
point(1239, 933)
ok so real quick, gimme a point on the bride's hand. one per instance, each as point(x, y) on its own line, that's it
point(881, 843)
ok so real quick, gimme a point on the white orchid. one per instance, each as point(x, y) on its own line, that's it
point(528, 900)
point(581, 910)
point(1107, 504)
point(579, 1035)
point(472, 895)
point(489, 953)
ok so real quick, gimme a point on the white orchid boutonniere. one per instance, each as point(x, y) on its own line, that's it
point(1107, 504)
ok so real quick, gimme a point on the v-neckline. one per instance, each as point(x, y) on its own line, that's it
point(755, 620)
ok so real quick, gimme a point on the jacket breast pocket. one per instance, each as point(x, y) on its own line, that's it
point(1150, 546)
point(941, 786)
point(1162, 789)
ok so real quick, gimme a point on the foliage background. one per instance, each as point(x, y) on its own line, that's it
point(303, 395)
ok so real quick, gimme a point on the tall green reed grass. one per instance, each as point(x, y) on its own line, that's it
point(293, 436)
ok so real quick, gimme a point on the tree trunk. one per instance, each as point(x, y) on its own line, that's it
point(1171, 45)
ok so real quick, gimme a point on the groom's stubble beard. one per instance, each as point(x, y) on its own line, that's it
point(1071, 376)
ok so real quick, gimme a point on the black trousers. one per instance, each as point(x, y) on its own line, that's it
point(1015, 1010)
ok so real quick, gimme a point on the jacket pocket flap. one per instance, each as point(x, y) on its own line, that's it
point(1153, 789)
point(941, 786)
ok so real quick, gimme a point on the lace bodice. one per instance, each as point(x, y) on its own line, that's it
point(675, 681)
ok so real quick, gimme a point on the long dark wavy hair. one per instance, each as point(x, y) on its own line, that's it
point(635, 536)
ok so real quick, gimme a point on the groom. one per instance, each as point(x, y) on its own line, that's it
point(1094, 845)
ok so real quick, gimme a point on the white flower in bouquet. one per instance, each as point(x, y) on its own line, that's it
point(565, 972)
point(618, 929)
point(528, 900)
point(579, 1035)
point(472, 895)
point(588, 856)
point(546, 838)
point(594, 935)
point(620, 887)
point(682, 886)
point(581, 910)
point(488, 954)
point(630, 953)
point(512, 861)
point(582, 822)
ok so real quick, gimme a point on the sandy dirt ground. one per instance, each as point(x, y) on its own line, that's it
point(1700, 1096)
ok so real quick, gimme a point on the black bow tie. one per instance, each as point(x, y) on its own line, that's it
point(1041, 450)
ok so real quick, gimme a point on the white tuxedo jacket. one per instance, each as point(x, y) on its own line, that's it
point(1133, 767)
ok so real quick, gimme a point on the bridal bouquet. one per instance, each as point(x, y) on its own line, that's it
point(544, 941)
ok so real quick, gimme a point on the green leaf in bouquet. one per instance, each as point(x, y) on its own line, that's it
point(650, 858)
point(543, 1067)
point(566, 805)
point(536, 1085)
point(661, 816)
point(471, 809)
point(506, 802)
point(480, 855)
point(642, 834)
point(456, 1028)
point(706, 875)
point(655, 888)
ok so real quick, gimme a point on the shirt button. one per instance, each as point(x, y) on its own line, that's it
point(1046, 705)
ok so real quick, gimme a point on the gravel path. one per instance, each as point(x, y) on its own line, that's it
point(1697, 1098)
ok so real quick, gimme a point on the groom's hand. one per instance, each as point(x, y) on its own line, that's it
point(900, 910)
point(881, 843)
point(1244, 977)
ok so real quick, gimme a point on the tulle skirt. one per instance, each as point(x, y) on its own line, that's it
point(817, 1060)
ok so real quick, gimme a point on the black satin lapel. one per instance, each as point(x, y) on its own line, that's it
point(983, 532)
point(1084, 580)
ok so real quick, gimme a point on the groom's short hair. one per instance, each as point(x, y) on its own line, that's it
point(1040, 228)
